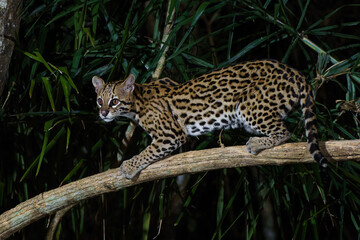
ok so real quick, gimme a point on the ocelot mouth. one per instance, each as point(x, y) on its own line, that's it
point(107, 118)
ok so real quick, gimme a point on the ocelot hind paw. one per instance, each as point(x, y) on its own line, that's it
point(254, 146)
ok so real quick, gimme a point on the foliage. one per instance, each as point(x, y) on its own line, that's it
point(50, 133)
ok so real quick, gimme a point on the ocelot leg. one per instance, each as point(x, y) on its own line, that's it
point(167, 137)
point(276, 134)
point(154, 152)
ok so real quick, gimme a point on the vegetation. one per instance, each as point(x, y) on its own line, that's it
point(50, 133)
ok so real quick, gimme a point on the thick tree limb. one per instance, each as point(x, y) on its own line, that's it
point(9, 24)
point(49, 202)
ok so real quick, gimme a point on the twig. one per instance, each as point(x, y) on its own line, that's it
point(55, 221)
point(166, 33)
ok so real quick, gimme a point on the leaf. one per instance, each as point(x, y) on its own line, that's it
point(73, 171)
point(32, 80)
point(48, 91)
point(77, 57)
point(342, 66)
point(43, 61)
point(303, 12)
point(64, 70)
point(32, 85)
point(65, 87)
point(68, 133)
point(197, 61)
point(88, 33)
point(95, 14)
point(248, 48)
point(331, 14)
point(47, 126)
point(195, 18)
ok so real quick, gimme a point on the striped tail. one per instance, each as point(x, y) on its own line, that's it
point(308, 108)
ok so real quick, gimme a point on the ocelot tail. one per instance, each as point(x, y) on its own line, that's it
point(254, 95)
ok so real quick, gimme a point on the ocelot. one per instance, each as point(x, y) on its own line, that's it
point(254, 95)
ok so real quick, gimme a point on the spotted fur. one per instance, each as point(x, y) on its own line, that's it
point(254, 95)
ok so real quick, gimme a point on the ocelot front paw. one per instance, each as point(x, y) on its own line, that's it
point(254, 145)
point(130, 168)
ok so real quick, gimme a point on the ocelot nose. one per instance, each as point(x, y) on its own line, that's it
point(104, 112)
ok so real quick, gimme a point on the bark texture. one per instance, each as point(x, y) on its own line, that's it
point(10, 11)
point(54, 200)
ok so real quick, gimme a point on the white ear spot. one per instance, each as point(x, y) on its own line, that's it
point(98, 83)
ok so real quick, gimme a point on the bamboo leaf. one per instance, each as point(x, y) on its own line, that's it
point(194, 20)
point(65, 87)
point(47, 126)
point(64, 70)
point(32, 85)
point(68, 133)
point(48, 147)
point(43, 61)
point(88, 33)
point(248, 48)
point(49, 92)
point(303, 14)
point(73, 171)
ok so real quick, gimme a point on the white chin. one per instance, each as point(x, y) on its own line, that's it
point(107, 119)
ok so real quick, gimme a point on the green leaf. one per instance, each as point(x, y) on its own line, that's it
point(199, 12)
point(65, 87)
point(73, 171)
point(32, 56)
point(48, 91)
point(48, 147)
point(47, 126)
point(88, 33)
point(43, 61)
point(342, 66)
point(32, 85)
point(77, 57)
point(32, 79)
point(321, 20)
point(64, 70)
point(68, 133)
point(197, 61)
point(303, 14)
point(248, 48)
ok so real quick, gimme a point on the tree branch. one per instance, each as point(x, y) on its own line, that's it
point(190, 162)
point(10, 12)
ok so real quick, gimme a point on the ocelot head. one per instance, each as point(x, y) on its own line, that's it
point(114, 99)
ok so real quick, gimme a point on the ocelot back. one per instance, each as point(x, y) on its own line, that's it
point(254, 95)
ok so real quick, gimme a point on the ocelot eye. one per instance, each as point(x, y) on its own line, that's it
point(114, 102)
point(100, 101)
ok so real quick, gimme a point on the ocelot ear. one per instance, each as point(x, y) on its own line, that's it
point(98, 83)
point(129, 83)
